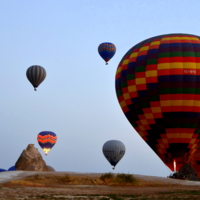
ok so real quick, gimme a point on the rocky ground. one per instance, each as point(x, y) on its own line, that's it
point(77, 186)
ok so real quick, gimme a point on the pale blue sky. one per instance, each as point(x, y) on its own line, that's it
point(77, 100)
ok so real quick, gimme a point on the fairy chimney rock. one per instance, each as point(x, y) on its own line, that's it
point(31, 160)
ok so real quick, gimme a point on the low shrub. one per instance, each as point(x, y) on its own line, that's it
point(125, 179)
point(110, 175)
point(119, 179)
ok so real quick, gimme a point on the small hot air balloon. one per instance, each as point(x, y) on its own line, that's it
point(36, 74)
point(46, 140)
point(113, 150)
point(107, 51)
point(158, 89)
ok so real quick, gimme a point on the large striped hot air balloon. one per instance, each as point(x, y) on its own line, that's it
point(113, 150)
point(158, 89)
point(106, 51)
point(46, 140)
point(36, 74)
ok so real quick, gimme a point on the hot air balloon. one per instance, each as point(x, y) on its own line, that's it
point(46, 140)
point(12, 168)
point(158, 89)
point(113, 150)
point(36, 74)
point(107, 51)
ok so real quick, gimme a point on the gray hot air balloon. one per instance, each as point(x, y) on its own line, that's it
point(36, 74)
point(113, 150)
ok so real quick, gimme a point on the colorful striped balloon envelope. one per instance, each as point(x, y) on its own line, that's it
point(158, 89)
point(46, 140)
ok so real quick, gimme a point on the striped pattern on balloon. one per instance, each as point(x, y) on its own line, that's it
point(106, 51)
point(46, 140)
point(36, 75)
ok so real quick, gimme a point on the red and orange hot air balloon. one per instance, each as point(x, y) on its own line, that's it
point(46, 140)
point(158, 89)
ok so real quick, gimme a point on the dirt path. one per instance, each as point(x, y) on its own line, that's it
point(99, 193)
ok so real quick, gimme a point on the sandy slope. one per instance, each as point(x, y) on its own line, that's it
point(14, 175)
point(158, 188)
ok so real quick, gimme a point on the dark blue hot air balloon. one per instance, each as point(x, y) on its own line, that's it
point(107, 51)
point(12, 168)
point(46, 140)
point(3, 170)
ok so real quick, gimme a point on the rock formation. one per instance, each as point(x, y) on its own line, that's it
point(50, 168)
point(31, 160)
point(188, 172)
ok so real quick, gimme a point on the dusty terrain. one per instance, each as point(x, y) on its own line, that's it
point(78, 186)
